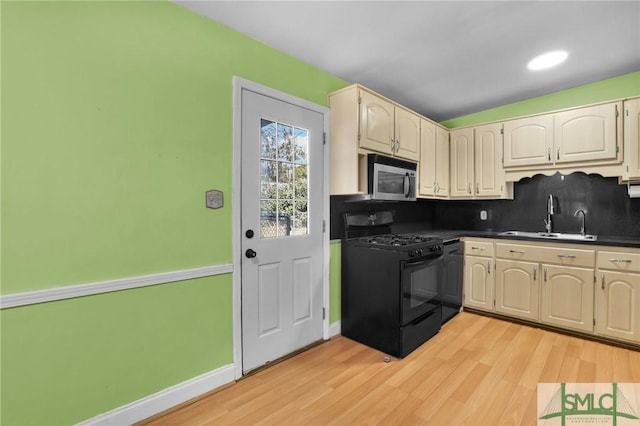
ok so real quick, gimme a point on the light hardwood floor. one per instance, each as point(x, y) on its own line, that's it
point(476, 371)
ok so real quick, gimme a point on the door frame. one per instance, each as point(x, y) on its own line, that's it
point(240, 84)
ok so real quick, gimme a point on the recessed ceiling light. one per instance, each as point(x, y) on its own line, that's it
point(547, 60)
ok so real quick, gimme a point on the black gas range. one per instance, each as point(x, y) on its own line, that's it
point(391, 295)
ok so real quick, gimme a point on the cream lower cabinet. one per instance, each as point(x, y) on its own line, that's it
point(478, 281)
point(549, 283)
point(516, 288)
point(617, 295)
point(566, 298)
point(584, 288)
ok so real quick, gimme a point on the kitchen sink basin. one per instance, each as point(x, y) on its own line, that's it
point(550, 235)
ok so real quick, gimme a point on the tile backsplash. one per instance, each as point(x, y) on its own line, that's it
point(609, 210)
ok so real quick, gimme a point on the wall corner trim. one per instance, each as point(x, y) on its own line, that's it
point(165, 399)
point(69, 292)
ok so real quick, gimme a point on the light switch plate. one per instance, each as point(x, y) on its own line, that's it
point(214, 199)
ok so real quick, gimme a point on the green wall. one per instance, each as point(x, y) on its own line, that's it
point(116, 118)
point(623, 86)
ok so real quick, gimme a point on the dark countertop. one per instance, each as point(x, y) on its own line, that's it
point(451, 235)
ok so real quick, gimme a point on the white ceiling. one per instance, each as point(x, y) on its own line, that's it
point(445, 59)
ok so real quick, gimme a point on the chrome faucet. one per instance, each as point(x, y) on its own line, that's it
point(550, 212)
point(584, 214)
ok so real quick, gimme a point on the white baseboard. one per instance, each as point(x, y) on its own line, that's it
point(334, 329)
point(165, 399)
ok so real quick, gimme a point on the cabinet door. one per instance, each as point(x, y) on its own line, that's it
point(528, 141)
point(618, 305)
point(586, 134)
point(461, 164)
point(428, 159)
point(489, 175)
point(376, 123)
point(517, 291)
point(632, 139)
point(407, 135)
point(442, 162)
point(478, 282)
point(567, 297)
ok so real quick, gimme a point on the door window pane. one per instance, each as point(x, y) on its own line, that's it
point(267, 139)
point(284, 186)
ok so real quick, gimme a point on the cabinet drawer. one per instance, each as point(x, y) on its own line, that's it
point(478, 248)
point(547, 254)
point(619, 261)
point(517, 252)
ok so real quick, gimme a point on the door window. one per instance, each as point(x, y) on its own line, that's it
point(284, 186)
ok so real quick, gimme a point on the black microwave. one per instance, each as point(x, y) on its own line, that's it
point(391, 179)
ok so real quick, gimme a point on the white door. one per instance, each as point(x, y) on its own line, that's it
point(281, 225)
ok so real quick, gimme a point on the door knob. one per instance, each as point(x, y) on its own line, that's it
point(250, 253)
point(249, 233)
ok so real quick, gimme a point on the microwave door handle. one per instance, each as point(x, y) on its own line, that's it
point(407, 185)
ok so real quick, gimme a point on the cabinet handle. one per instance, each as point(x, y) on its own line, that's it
point(469, 187)
point(535, 273)
point(620, 260)
point(545, 275)
point(489, 267)
point(397, 145)
point(602, 280)
point(477, 248)
point(558, 154)
point(549, 154)
point(477, 187)
point(393, 145)
point(567, 256)
point(516, 251)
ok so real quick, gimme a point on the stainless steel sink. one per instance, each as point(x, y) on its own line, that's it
point(550, 235)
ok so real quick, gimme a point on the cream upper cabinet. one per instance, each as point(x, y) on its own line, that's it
point(587, 134)
point(488, 171)
point(407, 135)
point(387, 128)
point(377, 123)
point(617, 294)
point(442, 162)
point(567, 297)
point(364, 122)
point(517, 288)
point(528, 141)
point(632, 139)
point(434, 160)
point(476, 163)
point(461, 163)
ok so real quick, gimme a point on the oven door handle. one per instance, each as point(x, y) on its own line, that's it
point(407, 185)
point(430, 259)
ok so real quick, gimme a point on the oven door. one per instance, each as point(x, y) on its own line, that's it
point(421, 290)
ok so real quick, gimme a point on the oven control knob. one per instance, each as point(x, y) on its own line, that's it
point(413, 253)
point(419, 252)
